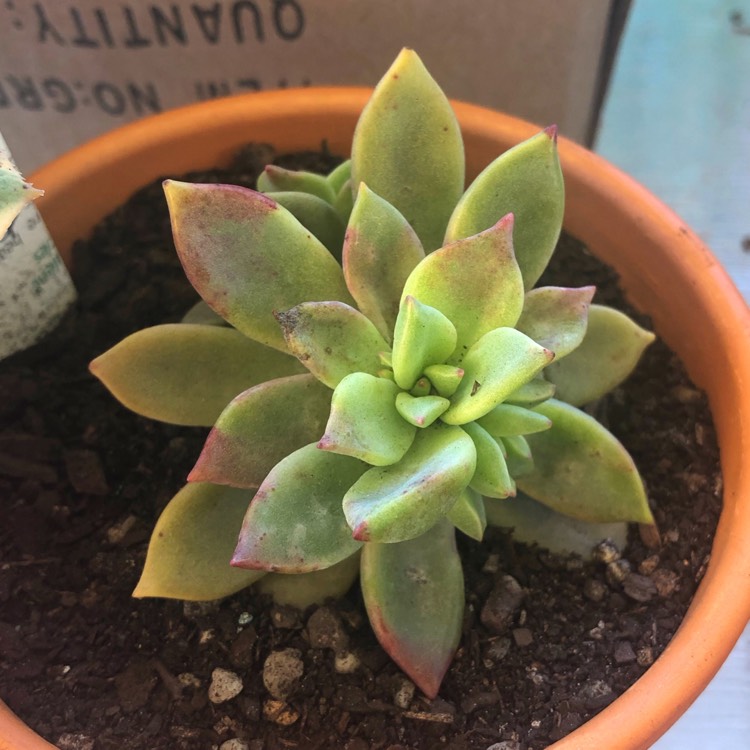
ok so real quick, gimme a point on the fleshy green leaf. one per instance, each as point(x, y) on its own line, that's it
point(408, 148)
point(315, 214)
point(248, 257)
point(532, 393)
point(15, 193)
point(610, 350)
point(526, 181)
point(491, 477)
point(421, 411)
point(423, 336)
point(496, 366)
point(414, 595)
point(332, 340)
point(475, 283)
point(556, 317)
point(300, 590)
point(190, 549)
point(421, 388)
point(445, 378)
point(468, 514)
point(583, 471)
point(186, 374)
point(200, 314)
point(380, 251)
point(344, 202)
point(278, 179)
point(365, 423)
point(402, 501)
point(518, 454)
point(339, 176)
point(535, 523)
point(506, 420)
point(295, 523)
point(260, 427)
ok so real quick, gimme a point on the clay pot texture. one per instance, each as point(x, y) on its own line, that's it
point(666, 271)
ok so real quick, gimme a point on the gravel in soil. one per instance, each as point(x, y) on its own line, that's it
point(547, 641)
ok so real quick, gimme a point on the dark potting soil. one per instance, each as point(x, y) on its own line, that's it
point(82, 481)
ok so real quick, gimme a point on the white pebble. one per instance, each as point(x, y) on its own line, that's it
point(346, 662)
point(224, 686)
point(234, 744)
point(404, 694)
point(282, 671)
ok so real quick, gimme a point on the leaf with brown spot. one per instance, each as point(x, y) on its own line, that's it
point(248, 257)
point(414, 595)
point(246, 442)
point(295, 523)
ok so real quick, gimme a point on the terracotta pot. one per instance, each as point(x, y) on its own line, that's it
point(666, 270)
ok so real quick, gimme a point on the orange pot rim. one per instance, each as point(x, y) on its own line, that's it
point(665, 268)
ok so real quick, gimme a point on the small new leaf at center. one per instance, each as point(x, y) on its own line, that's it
point(423, 336)
point(364, 422)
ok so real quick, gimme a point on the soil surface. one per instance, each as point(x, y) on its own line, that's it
point(82, 482)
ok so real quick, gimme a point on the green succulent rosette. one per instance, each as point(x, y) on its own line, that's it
point(391, 374)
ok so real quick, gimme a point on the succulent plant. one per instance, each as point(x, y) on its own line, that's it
point(390, 373)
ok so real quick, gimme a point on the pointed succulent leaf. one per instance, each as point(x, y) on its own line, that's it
point(300, 590)
point(186, 374)
point(491, 477)
point(535, 523)
point(190, 549)
point(202, 315)
point(295, 523)
point(15, 193)
point(408, 148)
point(496, 366)
point(380, 251)
point(445, 378)
point(247, 442)
point(278, 179)
point(518, 445)
point(506, 420)
point(248, 257)
point(518, 455)
point(402, 501)
point(609, 352)
point(475, 283)
point(421, 388)
point(423, 336)
point(315, 214)
point(386, 359)
point(526, 181)
point(414, 595)
point(468, 514)
point(583, 471)
point(421, 411)
point(556, 317)
point(532, 393)
point(344, 202)
point(339, 176)
point(364, 422)
point(332, 340)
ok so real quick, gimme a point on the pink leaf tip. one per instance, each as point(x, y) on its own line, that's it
point(551, 131)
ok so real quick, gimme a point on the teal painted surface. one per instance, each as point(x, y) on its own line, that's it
point(677, 118)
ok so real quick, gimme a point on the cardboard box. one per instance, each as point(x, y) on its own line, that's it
point(72, 69)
